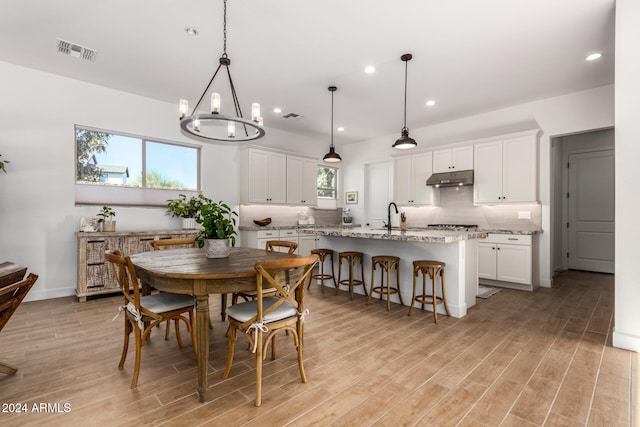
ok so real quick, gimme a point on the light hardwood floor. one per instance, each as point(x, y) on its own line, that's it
point(517, 359)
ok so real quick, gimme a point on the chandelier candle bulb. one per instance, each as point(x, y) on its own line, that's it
point(196, 125)
point(183, 107)
point(231, 129)
point(255, 111)
point(215, 103)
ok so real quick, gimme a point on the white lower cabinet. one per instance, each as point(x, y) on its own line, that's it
point(505, 260)
point(258, 239)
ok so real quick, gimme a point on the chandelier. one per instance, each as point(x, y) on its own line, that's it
point(332, 156)
point(405, 141)
point(216, 126)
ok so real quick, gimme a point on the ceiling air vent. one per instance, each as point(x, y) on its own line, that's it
point(76, 51)
point(294, 116)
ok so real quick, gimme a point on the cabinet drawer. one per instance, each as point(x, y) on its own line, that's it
point(268, 234)
point(512, 239)
point(288, 233)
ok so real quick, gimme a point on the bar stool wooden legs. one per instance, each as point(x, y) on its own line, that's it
point(386, 263)
point(351, 258)
point(322, 254)
point(433, 269)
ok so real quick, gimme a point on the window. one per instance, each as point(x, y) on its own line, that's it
point(327, 182)
point(132, 168)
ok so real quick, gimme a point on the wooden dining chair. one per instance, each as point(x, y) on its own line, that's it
point(270, 246)
point(11, 296)
point(184, 242)
point(143, 313)
point(283, 311)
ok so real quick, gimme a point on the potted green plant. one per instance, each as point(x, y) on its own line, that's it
point(2, 164)
point(218, 228)
point(106, 219)
point(187, 209)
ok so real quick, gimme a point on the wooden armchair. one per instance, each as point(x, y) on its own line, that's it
point(143, 313)
point(284, 311)
point(11, 296)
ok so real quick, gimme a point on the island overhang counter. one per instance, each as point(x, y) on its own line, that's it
point(458, 249)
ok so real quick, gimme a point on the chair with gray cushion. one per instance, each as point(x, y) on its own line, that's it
point(271, 314)
point(143, 313)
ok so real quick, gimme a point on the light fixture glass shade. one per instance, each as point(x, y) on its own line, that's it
point(215, 103)
point(183, 108)
point(332, 156)
point(405, 141)
point(231, 129)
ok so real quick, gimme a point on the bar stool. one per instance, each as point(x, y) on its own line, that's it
point(322, 254)
point(386, 263)
point(433, 269)
point(351, 257)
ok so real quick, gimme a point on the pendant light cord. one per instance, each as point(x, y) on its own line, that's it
point(224, 31)
point(405, 93)
point(332, 118)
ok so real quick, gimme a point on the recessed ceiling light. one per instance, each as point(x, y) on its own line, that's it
point(191, 31)
point(277, 110)
point(370, 69)
point(340, 129)
point(594, 56)
point(430, 103)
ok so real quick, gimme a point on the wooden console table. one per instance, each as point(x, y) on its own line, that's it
point(94, 274)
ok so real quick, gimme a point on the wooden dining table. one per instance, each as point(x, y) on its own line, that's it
point(189, 271)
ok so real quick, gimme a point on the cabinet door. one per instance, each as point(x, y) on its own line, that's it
point(519, 177)
point(258, 176)
point(487, 179)
point(487, 260)
point(309, 182)
point(402, 180)
point(305, 244)
point(514, 263)
point(277, 178)
point(294, 181)
point(462, 158)
point(442, 161)
point(421, 170)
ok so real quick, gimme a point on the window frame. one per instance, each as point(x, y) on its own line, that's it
point(101, 194)
point(337, 169)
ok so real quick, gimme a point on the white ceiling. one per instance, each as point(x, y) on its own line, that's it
point(470, 56)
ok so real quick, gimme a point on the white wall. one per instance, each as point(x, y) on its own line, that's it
point(38, 217)
point(627, 130)
point(563, 115)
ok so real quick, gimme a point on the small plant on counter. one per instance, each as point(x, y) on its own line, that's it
point(106, 214)
point(181, 207)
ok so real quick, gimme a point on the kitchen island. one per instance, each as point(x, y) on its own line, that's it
point(458, 249)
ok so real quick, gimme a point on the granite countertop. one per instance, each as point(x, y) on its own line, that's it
point(411, 230)
point(425, 236)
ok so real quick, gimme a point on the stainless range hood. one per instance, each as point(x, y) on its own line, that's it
point(451, 179)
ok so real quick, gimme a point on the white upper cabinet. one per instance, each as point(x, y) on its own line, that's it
point(302, 181)
point(410, 178)
point(267, 177)
point(505, 170)
point(453, 159)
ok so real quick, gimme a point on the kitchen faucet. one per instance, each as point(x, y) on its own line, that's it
point(389, 215)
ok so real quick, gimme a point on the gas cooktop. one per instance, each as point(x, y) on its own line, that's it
point(454, 227)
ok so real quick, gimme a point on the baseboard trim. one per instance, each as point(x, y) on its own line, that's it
point(626, 341)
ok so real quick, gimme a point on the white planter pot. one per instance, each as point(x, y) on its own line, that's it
point(188, 223)
point(217, 248)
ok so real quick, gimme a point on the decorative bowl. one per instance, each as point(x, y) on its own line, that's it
point(262, 222)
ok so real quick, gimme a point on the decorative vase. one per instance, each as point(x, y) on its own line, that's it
point(217, 248)
point(188, 223)
point(109, 226)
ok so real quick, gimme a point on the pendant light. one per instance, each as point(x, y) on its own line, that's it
point(216, 126)
point(332, 156)
point(405, 141)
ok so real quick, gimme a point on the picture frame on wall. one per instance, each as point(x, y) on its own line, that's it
point(351, 197)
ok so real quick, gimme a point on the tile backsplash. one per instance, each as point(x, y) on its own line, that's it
point(456, 207)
